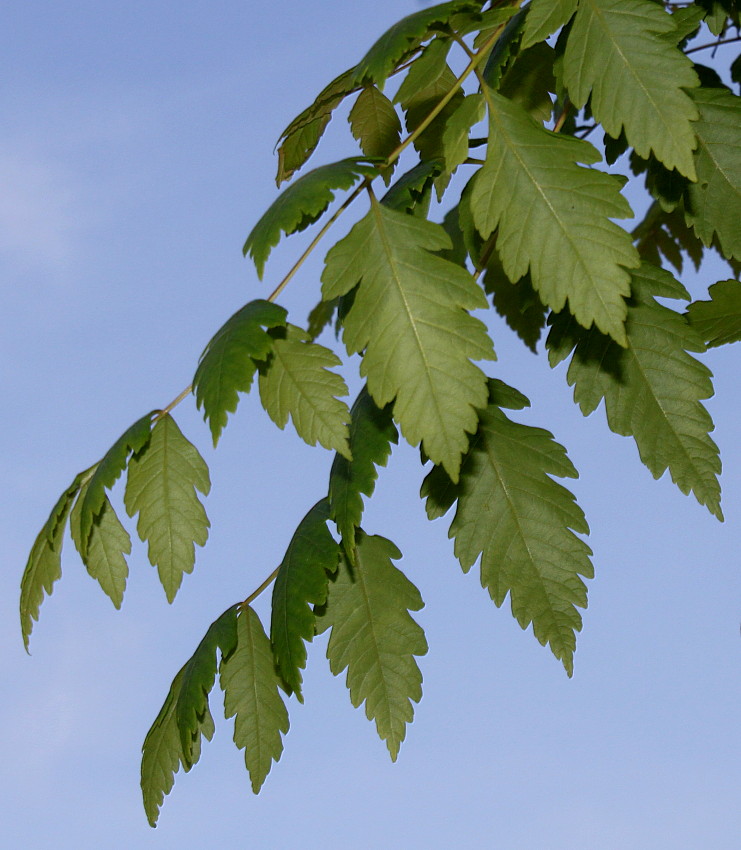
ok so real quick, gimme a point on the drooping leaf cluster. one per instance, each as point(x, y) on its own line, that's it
point(491, 146)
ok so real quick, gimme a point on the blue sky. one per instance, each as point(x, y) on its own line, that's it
point(136, 154)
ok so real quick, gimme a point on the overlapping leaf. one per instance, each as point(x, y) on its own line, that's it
point(458, 124)
point(107, 542)
point(425, 71)
point(376, 126)
point(653, 389)
point(372, 433)
point(409, 315)
point(301, 204)
point(713, 204)
point(251, 696)
point(518, 303)
point(296, 381)
point(718, 321)
point(374, 637)
point(544, 17)
point(529, 81)
point(512, 514)
point(667, 233)
point(301, 582)
point(554, 217)
point(44, 565)
point(106, 474)
point(227, 365)
point(636, 79)
point(161, 487)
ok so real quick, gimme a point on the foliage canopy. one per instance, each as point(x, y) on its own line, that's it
point(489, 107)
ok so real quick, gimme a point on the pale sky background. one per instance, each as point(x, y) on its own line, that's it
point(135, 155)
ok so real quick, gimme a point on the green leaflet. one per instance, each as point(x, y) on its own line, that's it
point(372, 433)
point(544, 17)
point(521, 522)
point(162, 752)
point(227, 365)
point(107, 542)
point(411, 192)
point(554, 217)
point(502, 51)
point(713, 204)
point(301, 581)
point(296, 380)
point(44, 565)
point(161, 487)
point(667, 233)
point(376, 126)
point(653, 388)
point(197, 681)
point(615, 53)
point(300, 138)
point(529, 79)
point(406, 35)
point(425, 71)
point(301, 204)
point(106, 474)
point(468, 112)
point(718, 321)
point(251, 696)
point(374, 637)
point(409, 315)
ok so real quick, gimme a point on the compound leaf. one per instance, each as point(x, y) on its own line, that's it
point(718, 321)
point(251, 696)
point(372, 432)
point(301, 582)
point(409, 314)
point(554, 218)
point(44, 565)
point(713, 204)
point(615, 53)
point(301, 204)
point(512, 514)
point(296, 380)
point(374, 637)
point(227, 365)
point(161, 487)
point(652, 389)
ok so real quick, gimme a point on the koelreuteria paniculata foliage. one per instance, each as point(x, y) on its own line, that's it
point(526, 120)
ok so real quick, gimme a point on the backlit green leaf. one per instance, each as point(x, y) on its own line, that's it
point(374, 637)
point(554, 217)
point(251, 696)
point(301, 582)
point(718, 321)
point(468, 112)
point(227, 365)
point(301, 204)
point(161, 487)
point(653, 388)
point(522, 523)
point(372, 432)
point(425, 71)
point(409, 315)
point(544, 17)
point(636, 79)
point(529, 79)
point(297, 381)
point(376, 126)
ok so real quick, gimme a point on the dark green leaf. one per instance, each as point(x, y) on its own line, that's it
point(529, 79)
point(376, 126)
point(718, 321)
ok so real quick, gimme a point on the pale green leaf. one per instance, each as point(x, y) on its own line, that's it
point(425, 71)
point(372, 433)
point(300, 138)
point(251, 696)
point(409, 315)
point(652, 389)
point(296, 381)
point(554, 217)
point(162, 753)
point(106, 474)
point(301, 204)
point(227, 365)
point(374, 637)
point(512, 514)
point(376, 126)
point(544, 17)
point(637, 80)
point(197, 681)
point(468, 112)
point(44, 565)
point(718, 321)
point(161, 487)
point(713, 204)
point(107, 544)
point(301, 582)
